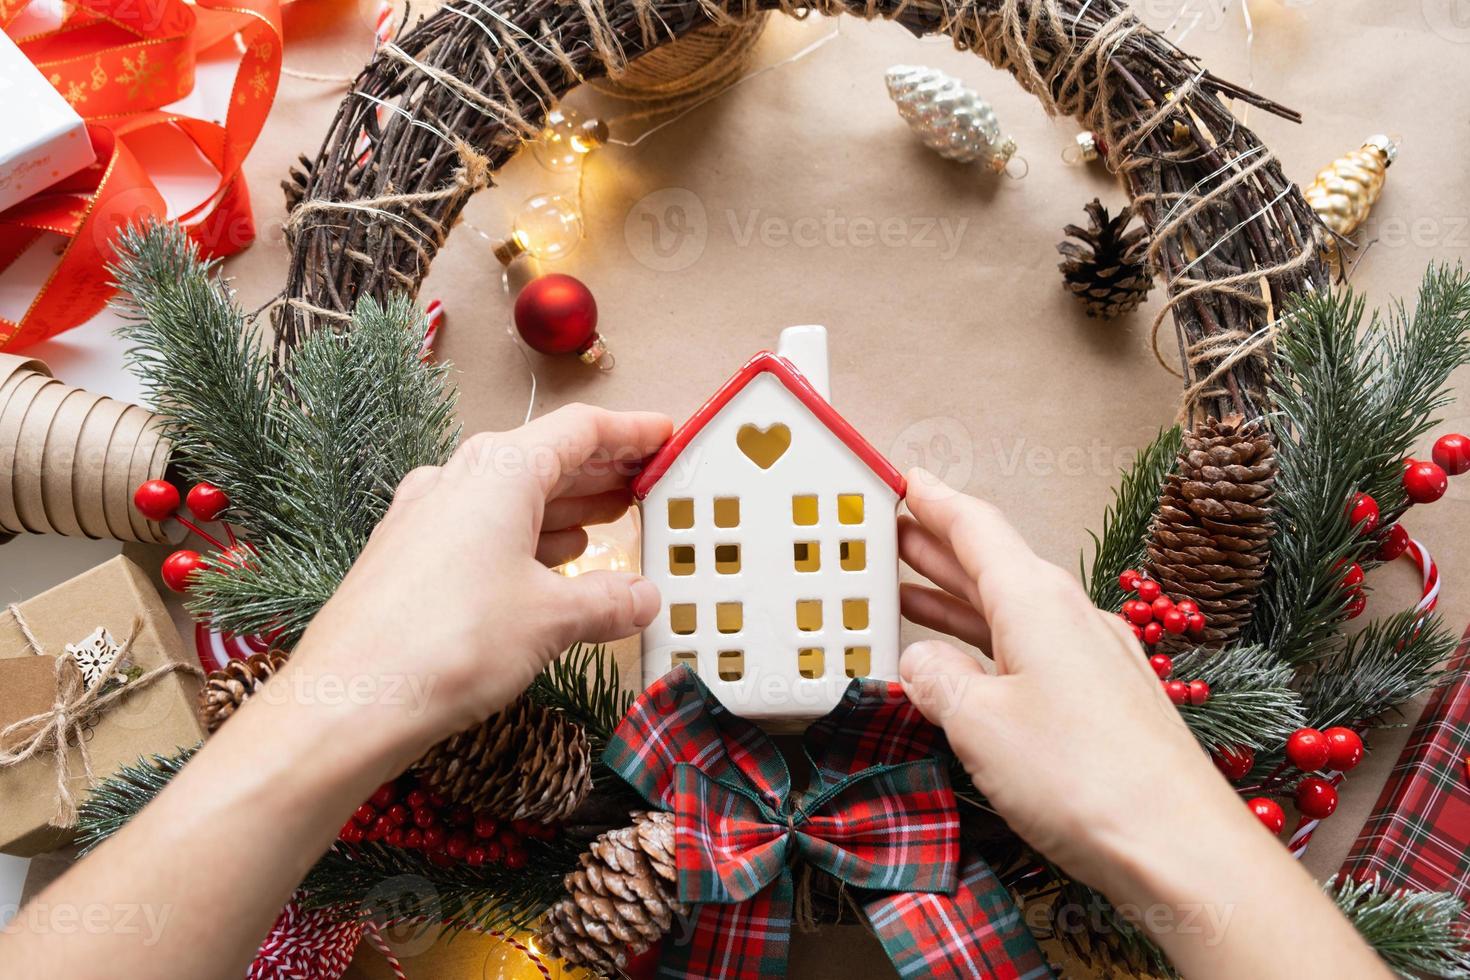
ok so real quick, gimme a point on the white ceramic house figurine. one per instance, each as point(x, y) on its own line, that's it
point(769, 525)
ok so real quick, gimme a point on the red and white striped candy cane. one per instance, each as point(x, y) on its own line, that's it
point(1428, 571)
point(434, 319)
point(1429, 598)
point(384, 24)
point(216, 648)
point(1305, 826)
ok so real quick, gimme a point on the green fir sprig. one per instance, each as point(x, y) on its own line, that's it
point(1126, 521)
point(1387, 663)
point(310, 455)
point(1251, 701)
point(1349, 400)
point(1418, 934)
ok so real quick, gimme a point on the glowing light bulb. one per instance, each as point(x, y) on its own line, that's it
point(567, 137)
point(548, 227)
point(602, 555)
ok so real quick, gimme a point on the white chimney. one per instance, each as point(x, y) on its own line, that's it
point(806, 348)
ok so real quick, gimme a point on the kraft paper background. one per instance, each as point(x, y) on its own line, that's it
point(811, 202)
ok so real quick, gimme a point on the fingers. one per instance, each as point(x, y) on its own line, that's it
point(944, 683)
point(574, 451)
point(938, 610)
point(991, 552)
point(933, 559)
point(602, 606)
point(559, 547)
point(599, 508)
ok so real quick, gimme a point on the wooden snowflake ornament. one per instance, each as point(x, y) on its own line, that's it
point(769, 525)
point(94, 655)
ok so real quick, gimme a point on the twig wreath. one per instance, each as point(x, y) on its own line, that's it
point(1231, 236)
point(1298, 415)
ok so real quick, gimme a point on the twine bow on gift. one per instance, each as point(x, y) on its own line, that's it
point(878, 815)
point(77, 703)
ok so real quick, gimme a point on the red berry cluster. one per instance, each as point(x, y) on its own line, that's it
point(1311, 751)
point(1153, 614)
point(403, 814)
point(159, 500)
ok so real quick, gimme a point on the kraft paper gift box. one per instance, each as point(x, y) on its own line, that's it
point(157, 717)
point(43, 139)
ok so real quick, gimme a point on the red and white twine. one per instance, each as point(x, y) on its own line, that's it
point(316, 945)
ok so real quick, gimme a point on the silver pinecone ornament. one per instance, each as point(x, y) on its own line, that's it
point(952, 120)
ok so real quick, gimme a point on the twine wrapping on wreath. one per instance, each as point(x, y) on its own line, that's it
point(1231, 236)
point(694, 69)
point(64, 724)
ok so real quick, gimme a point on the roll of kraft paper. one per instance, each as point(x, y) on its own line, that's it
point(70, 459)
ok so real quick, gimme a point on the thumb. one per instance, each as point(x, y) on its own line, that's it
point(944, 683)
point(601, 606)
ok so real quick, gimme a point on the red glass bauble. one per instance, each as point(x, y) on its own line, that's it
point(1344, 748)
point(207, 501)
point(157, 500)
point(557, 314)
point(179, 566)
point(1307, 749)
point(1452, 453)
point(1425, 482)
point(1316, 798)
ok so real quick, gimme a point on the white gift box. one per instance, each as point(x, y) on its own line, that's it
point(43, 140)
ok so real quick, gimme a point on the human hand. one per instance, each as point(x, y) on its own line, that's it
point(455, 591)
point(1069, 735)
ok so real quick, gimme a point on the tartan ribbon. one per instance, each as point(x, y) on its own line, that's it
point(878, 814)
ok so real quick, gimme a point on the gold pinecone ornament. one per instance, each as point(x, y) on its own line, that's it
point(226, 689)
point(622, 899)
point(527, 762)
point(1346, 189)
point(1105, 264)
point(1211, 538)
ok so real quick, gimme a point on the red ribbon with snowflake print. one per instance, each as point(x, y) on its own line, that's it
point(121, 64)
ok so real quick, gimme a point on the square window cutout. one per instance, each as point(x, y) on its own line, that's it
point(854, 614)
point(808, 556)
point(732, 665)
point(809, 615)
point(727, 512)
point(682, 618)
point(685, 658)
point(854, 555)
point(727, 558)
point(857, 661)
point(681, 559)
point(681, 514)
point(804, 509)
point(809, 662)
point(729, 617)
point(849, 508)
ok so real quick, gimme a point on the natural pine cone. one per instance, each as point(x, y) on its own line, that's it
point(1210, 540)
point(621, 901)
point(1105, 265)
point(226, 689)
point(528, 762)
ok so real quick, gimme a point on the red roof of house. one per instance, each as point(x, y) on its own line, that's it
point(795, 382)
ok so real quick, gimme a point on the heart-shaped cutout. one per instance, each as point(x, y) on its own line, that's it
point(763, 446)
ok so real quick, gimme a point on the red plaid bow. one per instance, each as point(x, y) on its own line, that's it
point(878, 814)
